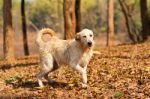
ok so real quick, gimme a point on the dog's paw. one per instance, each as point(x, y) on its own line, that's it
point(84, 85)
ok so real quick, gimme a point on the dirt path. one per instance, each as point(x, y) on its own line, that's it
point(122, 71)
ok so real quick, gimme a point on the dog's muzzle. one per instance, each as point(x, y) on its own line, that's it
point(89, 44)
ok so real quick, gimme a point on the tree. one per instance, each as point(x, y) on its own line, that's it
point(69, 18)
point(24, 29)
point(8, 31)
point(78, 15)
point(133, 32)
point(144, 19)
point(110, 23)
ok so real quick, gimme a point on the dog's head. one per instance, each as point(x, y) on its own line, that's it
point(85, 37)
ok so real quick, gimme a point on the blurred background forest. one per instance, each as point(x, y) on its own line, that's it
point(49, 13)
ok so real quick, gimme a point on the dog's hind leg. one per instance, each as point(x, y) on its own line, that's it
point(55, 67)
point(46, 67)
point(39, 77)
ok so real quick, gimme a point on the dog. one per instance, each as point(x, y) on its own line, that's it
point(75, 52)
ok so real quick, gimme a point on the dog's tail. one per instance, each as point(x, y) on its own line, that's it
point(39, 39)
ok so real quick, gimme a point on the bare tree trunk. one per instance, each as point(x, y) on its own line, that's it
point(69, 18)
point(134, 34)
point(110, 22)
point(24, 29)
point(78, 15)
point(144, 19)
point(8, 31)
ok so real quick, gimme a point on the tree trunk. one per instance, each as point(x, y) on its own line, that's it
point(110, 22)
point(144, 19)
point(24, 29)
point(69, 18)
point(134, 34)
point(78, 15)
point(8, 31)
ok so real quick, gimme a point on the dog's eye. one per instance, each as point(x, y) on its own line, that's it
point(90, 35)
point(84, 36)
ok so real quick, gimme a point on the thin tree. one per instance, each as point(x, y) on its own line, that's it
point(144, 19)
point(78, 15)
point(24, 29)
point(133, 32)
point(110, 23)
point(8, 31)
point(69, 18)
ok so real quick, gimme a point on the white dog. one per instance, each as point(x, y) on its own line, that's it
point(76, 53)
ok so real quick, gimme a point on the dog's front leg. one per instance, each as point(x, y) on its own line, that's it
point(84, 78)
point(83, 73)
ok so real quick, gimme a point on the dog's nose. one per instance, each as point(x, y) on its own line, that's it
point(89, 44)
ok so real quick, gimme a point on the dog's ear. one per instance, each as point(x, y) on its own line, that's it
point(77, 37)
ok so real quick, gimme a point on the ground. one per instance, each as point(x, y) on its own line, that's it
point(118, 72)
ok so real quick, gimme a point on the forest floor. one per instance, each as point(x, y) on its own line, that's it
point(118, 72)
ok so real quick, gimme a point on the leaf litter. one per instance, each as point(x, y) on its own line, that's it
point(118, 72)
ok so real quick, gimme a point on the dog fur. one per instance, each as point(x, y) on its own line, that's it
point(76, 53)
